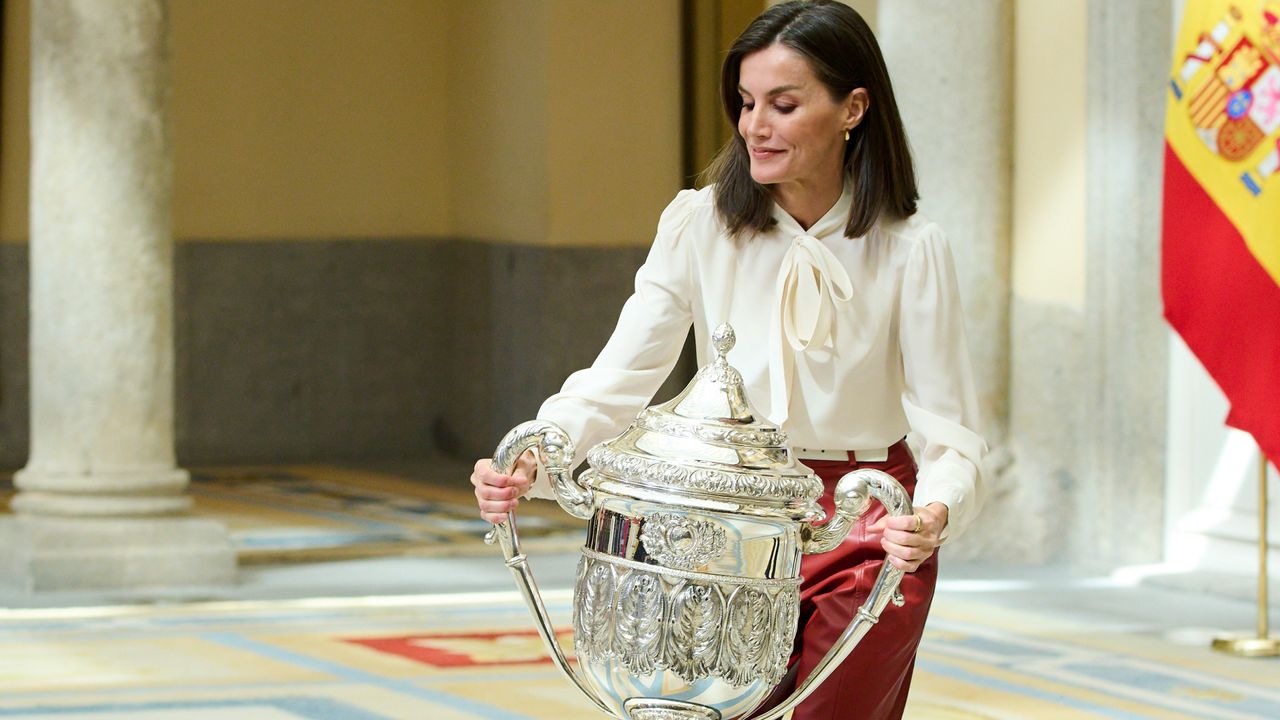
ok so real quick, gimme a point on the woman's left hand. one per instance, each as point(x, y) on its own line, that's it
point(909, 541)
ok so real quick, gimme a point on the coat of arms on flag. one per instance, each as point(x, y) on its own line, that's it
point(1221, 260)
point(1229, 85)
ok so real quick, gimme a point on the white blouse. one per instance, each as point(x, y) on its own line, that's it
point(845, 343)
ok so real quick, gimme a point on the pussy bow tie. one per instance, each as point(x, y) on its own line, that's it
point(811, 285)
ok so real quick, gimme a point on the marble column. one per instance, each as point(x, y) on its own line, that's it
point(101, 502)
point(1119, 501)
point(951, 66)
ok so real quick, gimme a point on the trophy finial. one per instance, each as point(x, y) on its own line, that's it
point(723, 340)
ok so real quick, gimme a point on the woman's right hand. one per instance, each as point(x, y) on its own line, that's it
point(498, 494)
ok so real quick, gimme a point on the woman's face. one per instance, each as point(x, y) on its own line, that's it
point(793, 128)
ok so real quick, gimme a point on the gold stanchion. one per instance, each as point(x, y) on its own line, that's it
point(1261, 645)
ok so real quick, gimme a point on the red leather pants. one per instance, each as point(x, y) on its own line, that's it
point(872, 683)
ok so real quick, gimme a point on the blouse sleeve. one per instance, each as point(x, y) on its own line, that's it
point(940, 399)
point(598, 402)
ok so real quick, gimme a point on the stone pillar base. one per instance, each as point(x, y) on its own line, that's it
point(48, 554)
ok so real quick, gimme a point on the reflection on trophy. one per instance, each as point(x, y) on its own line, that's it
point(687, 594)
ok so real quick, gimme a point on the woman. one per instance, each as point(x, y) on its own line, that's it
point(848, 321)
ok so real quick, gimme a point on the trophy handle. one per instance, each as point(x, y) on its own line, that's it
point(853, 496)
point(555, 451)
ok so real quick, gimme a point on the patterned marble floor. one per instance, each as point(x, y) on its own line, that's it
point(475, 656)
point(307, 513)
point(313, 512)
point(365, 594)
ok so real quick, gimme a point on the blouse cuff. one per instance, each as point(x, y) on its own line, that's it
point(950, 467)
point(949, 483)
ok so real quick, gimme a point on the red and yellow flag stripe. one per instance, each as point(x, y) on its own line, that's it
point(1221, 260)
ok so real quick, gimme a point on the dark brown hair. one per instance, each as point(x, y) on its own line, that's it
point(844, 55)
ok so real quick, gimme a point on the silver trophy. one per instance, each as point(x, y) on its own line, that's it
point(687, 593)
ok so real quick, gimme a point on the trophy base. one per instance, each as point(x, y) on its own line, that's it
point(1248, 645)
point(658, 709)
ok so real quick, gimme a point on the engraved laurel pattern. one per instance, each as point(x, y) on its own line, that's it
point(745, 654)
point(672, 425)
point(751, 485)
point(682, 542)
point(786, 615)
point(696, 616)
point(592, 630)
point(637, 637)
point(647, 622)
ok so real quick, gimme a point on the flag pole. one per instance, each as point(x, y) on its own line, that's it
point(1263, 645)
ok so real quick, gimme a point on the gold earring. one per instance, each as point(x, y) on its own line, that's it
point(846, 135)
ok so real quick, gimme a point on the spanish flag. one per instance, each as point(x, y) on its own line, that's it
point(1221, 256)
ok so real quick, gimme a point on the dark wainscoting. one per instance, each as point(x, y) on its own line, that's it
point(358, 349)
point(15, 419)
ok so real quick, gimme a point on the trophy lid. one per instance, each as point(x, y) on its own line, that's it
point(708, 447)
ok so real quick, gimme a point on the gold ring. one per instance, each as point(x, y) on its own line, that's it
point(919, 523)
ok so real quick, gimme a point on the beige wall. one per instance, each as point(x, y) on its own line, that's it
point(309, 118)
point(497, 121)
point(613, 144)
point(480, 119)
point(565, 122)
point(15, 150)
point(1049, 151)
point(554, 122)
